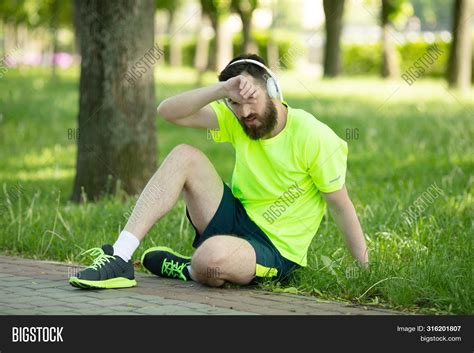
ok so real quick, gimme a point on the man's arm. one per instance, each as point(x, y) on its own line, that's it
point(346, 219)
point(191, 108)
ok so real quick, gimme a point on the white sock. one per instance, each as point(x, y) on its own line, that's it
point(126, 245)
point(189, 271)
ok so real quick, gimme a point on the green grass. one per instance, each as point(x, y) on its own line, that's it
point(409, 138)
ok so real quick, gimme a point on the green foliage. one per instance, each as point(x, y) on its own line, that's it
point(360, 59)
point(215, 8)
point(168, 5)
point(433, 14)
point(414, 50)
point(36, 13)
point(398, 11)
point(244, 7)
point(14, 11)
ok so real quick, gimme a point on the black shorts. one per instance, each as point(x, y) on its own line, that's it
point(232, 219)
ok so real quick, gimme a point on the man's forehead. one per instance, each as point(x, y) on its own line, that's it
point(249, 77)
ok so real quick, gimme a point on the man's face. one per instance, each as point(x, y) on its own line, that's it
point(257, 119)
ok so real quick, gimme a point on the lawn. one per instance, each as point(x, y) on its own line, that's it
point(402, 141)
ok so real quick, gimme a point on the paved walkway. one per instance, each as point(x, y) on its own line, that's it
point(29, 287)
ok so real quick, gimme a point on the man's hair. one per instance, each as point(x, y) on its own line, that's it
point(253, 70)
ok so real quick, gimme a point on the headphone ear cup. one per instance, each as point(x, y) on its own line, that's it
point(272, 88)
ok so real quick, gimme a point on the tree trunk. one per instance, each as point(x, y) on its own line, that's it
point(273, 61)
point(54, 35)
point(214, 59)
point(459, 65)
point(117, 143)
point(8, 38)
point(4, 49)
point(201, 56)
point(76, 21)
point(224, 50)
point(389, 54)
point(246, 27)
point(333, 10)
point(175, 45)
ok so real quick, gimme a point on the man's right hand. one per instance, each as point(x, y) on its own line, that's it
point(241, 90)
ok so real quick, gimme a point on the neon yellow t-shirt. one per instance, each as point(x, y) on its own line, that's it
point(278, 180)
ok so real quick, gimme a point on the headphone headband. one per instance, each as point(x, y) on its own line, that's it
point(270, 72)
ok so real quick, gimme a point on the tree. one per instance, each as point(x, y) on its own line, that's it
point(272, 46)
point(391, 9)
point(459, 64)
point(201, 56)
point(50, 14)
point(12, 14)
point(117, 142)
point(216, 10)
point(245, 9)
point(434, 15)
point(333, 10)
point(53, 15)
point(171, 7)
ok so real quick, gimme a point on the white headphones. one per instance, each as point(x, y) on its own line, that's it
point(273, 88)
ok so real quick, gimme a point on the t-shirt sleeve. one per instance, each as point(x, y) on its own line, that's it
point(326, 158)
point(226, 120)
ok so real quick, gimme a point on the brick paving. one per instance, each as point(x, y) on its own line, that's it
point(30, 287)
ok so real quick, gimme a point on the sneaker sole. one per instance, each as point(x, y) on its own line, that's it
point(119, 282)
point(162, 248)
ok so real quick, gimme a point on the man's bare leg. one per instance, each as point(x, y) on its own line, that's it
point(184, 169)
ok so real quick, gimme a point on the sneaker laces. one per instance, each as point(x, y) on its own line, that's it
point(101, 257)
point(174, 269)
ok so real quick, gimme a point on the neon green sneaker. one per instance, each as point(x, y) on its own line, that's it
point(165, 262)
point(106, 271)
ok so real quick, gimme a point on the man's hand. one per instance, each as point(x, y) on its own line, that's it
point(240, 90)
point(346, 219)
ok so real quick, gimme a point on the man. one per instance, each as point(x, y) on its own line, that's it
point(288, 167)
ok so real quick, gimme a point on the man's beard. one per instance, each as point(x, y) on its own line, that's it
point(267, 122)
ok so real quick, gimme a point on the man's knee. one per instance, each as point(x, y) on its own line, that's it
point(224, 258)
point(184, 150)
point(188, 157)
point(207, 263)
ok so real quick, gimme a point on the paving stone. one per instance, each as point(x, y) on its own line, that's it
point(44, 302)
point(47, 284)
point(121, 301)
point(77, 299)
point(164, 301)
point(15, 283)
point(187, 312)
point(128, 307)
point(57, 308)
point(97, 311)
point(4, 308)
point(22, 306)
point(10, 278)
point(167, 310)
point(24, 312)
point(196, 306)
point(17, 299)
point(5, 275)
